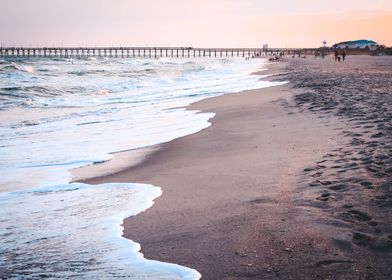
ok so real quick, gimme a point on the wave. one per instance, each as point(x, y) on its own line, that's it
point(27, 95)
point(85, 72)
point(29, 123)
point(18, 67)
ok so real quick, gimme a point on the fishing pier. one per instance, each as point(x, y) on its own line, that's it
point(151, 52)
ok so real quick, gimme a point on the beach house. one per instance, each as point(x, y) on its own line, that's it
point(357, 44)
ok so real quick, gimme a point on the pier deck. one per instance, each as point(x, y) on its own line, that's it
point(148, 52)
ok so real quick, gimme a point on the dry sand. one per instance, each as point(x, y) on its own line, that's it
point(250, 197)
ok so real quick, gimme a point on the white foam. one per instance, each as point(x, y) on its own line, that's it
point(73, 231)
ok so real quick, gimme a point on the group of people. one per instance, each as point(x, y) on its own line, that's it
point(277, 56)
point(339, 57)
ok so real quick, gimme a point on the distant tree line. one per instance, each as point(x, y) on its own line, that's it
point(385, 50)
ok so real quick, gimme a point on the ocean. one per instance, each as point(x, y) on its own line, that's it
point(59, 114)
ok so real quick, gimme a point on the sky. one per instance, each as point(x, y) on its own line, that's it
point(196, 23)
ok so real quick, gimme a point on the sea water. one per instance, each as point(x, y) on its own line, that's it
point(59, 114)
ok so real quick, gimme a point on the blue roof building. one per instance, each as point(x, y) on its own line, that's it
point(357, 44)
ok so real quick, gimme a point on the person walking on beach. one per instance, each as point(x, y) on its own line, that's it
point(344, 55)
point(336, 55)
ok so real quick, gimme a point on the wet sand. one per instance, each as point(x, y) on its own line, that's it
point(279, 186)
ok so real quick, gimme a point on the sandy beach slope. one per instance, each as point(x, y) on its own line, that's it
point(246, 197)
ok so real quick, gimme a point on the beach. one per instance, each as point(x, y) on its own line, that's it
point(196, 140)
point(66, 113)
point(275, 188)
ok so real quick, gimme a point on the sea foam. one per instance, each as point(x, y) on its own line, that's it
point(74, 231)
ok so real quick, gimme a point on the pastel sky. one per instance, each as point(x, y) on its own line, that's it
point(197, 23)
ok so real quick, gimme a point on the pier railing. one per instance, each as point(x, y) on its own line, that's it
point(67, 52)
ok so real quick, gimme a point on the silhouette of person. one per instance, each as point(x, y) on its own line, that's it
point(344, 55)
point(336, 55)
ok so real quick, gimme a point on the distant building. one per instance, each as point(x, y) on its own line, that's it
point(358, 44)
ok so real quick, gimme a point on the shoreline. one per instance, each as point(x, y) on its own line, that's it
point(126, 159)
point(290, 182)
point(170, 230)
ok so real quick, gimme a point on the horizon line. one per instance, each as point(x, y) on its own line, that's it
point(149, 47)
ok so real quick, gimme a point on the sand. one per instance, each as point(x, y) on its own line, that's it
point(270, 190)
